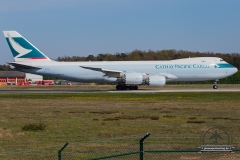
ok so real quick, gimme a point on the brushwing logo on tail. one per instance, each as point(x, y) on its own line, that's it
point(18, 48)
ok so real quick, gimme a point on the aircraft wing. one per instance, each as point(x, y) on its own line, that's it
point(18, 65)
point(117, 73)
point(167, 75)
point(108, 72)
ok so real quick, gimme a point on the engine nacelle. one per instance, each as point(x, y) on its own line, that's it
point(132, 78)
point(156, 80)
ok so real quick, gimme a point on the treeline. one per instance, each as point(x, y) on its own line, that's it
point(5, 68)
point(139, 55)
point(234, 79)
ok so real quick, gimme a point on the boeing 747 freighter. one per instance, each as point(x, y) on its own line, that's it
point(126, 74)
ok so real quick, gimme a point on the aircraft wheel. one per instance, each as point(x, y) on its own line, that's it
point(215, 87)
point(124, 88)
point(118, 87)
point(130, 88)
point(135, 87)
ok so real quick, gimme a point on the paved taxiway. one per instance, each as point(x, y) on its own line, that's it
point(125, 91)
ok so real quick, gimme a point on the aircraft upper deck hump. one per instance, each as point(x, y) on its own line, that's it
point(23, 50)
point(199, 59)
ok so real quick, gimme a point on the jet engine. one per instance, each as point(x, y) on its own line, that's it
point(132, 78)
point(156, 80)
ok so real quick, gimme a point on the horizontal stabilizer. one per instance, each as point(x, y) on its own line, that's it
point(17, 65)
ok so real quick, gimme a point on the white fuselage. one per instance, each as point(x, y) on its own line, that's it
point(188, 69)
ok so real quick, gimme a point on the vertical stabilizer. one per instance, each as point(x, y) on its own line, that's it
point(23, 50)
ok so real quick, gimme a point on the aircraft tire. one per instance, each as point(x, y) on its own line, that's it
point(215, 87)
point(130, 88)
point(124, 87)
point(118, 87)
point(135, 87)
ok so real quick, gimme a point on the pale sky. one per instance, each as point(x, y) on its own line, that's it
point(82, 27)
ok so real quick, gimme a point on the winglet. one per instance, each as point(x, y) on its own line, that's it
point(23, 50)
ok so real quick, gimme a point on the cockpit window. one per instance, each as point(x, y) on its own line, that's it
point(221, 60)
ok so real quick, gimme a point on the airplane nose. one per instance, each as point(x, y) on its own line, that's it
point(232, 71)
point(235, 70)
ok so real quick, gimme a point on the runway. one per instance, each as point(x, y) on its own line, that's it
point(124, 91)
point(179, 90)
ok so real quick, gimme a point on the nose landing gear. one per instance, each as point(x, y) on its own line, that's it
point(215, 85)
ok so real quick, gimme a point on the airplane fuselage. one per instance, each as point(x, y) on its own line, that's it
point(189, 69)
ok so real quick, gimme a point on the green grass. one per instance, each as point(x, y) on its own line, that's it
point(94, 121)
point(218, 96)
point(34, 127)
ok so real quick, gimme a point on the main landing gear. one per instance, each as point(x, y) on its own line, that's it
point(124, 87)
point(215, 85)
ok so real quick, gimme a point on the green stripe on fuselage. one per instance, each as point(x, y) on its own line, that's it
point(224, 65)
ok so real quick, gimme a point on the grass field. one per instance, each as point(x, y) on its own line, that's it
point(93, 121)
